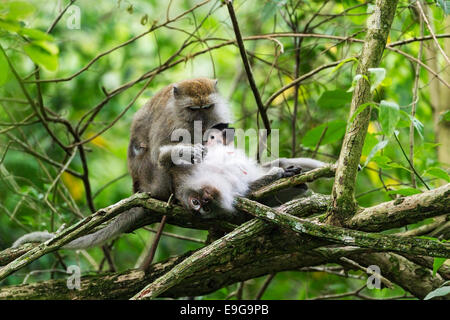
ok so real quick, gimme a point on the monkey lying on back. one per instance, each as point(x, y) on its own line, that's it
point(211, 186)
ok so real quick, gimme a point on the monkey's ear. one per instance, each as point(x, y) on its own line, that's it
point(176, 91)
point(215, 83)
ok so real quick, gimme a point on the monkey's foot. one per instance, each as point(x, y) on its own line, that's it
point(291, 171)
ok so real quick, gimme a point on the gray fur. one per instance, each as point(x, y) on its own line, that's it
point(121, 224)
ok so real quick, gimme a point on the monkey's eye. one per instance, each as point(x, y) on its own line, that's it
point(193, 108)
point(208, 106)
point(205, 209)
point(195, 204)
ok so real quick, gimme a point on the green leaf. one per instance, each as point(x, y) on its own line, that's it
point(334, 99)
point(12, 26)
point(405, 191)
point(379, 146)
point(4, 69)
point(47, 46)
point(377, 75)
point(35, 34)
point(417, 124)
point(355, 81)
point(439, 292)
point(437, 263)
point(360, 109)
point(19, 10)
point(388, 116)
point(385, 162)
point(335, 131)
point(445, 116)
point(342, 63)
point(42, 55)
point(438, 172)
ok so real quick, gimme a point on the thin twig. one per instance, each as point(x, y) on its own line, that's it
point(414, 102)
point(247, 67)
point(425, 19)
point(410, 164)
point(265, 286)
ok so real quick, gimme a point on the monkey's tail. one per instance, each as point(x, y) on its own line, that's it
point(38, 236)
point(309, 164)
point(120, 225)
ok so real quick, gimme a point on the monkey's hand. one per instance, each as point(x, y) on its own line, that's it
point(181, 155)
point(198, 152)
point(188, 154)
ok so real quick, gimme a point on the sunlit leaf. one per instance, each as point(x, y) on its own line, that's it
point(19, 10)
point(405, 191)
point(35, 34)
point(42, 56)
point(342, 63)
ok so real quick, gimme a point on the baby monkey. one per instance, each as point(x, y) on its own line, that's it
point(225, 172)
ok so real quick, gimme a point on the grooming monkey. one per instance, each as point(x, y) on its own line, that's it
point(150, 151)
point(176, 106)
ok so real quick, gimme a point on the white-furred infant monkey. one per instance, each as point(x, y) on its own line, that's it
point(211, 186)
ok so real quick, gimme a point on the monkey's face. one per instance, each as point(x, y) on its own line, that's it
point(199, 100)
point(214, 137)
point(219, 137)
point(203, 201)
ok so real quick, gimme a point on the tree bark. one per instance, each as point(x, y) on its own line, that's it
point(379, 24)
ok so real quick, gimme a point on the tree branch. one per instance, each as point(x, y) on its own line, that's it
point(379, 24)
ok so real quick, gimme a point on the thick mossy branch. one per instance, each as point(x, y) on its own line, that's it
point(379, 24)
point(177, 215)
point(403, 211)
point(209, 254)
point(258, 257)
point(384, 216)
point(73, 232)
point(415, 246)
point(260, 250)
point(410, 276)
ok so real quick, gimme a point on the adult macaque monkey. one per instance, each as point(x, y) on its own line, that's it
point(162, 166)
point(176, 106)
